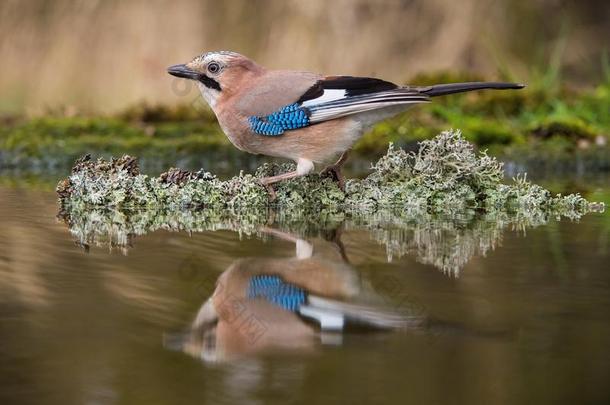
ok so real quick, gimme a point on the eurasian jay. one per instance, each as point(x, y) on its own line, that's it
point(302, 116)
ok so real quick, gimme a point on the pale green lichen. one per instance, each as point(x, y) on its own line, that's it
point(445, 175)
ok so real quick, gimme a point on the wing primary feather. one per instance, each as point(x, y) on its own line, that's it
point(337, 112)
point(369, 100)
point(363, 103)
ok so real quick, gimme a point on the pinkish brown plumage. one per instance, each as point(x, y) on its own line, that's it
point(301, 116)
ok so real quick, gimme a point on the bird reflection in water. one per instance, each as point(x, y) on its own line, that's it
point(269, 304)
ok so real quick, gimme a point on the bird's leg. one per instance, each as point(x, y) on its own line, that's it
point(304, 249)
point(304, 166)
point(334, 236)
point(334, 170)
point(267, 182)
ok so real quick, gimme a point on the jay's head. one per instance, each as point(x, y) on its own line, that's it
point(218, 74)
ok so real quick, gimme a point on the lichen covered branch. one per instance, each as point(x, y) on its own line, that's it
point(446, 174)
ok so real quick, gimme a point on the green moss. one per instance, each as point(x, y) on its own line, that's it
point(567, 126)
point(57, 141)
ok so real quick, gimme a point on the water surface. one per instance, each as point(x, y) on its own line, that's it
point(346, 312)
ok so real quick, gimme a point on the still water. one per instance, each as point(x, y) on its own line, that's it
point(107, 308)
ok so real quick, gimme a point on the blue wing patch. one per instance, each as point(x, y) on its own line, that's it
point(292, 116)
point(272, 288)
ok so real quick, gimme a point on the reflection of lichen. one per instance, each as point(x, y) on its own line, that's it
point(449, 242)
point(117, 228)
point(446, 242)
point(445, 175)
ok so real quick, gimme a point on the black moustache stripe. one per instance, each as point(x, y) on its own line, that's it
point(209, 82)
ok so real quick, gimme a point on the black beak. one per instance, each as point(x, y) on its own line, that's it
point(183, 71)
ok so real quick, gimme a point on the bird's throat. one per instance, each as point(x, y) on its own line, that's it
point(209, 94)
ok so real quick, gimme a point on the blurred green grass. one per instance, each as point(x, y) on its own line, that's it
point(543, 121)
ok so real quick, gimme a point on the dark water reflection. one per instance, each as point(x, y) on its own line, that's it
point(266, 304)
point(122, 309)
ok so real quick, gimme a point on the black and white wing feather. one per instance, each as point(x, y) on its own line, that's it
point(336, 97)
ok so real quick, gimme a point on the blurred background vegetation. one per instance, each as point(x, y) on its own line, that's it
point(89, 75)
point(106, 55)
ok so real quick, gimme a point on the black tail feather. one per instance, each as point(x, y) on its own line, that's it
point(451, 88)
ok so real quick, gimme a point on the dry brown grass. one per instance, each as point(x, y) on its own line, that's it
point(104, 55)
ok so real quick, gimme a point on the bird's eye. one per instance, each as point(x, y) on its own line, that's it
point(213, 68)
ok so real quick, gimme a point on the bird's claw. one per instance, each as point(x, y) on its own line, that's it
point(270, 190)
point(334, 172)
